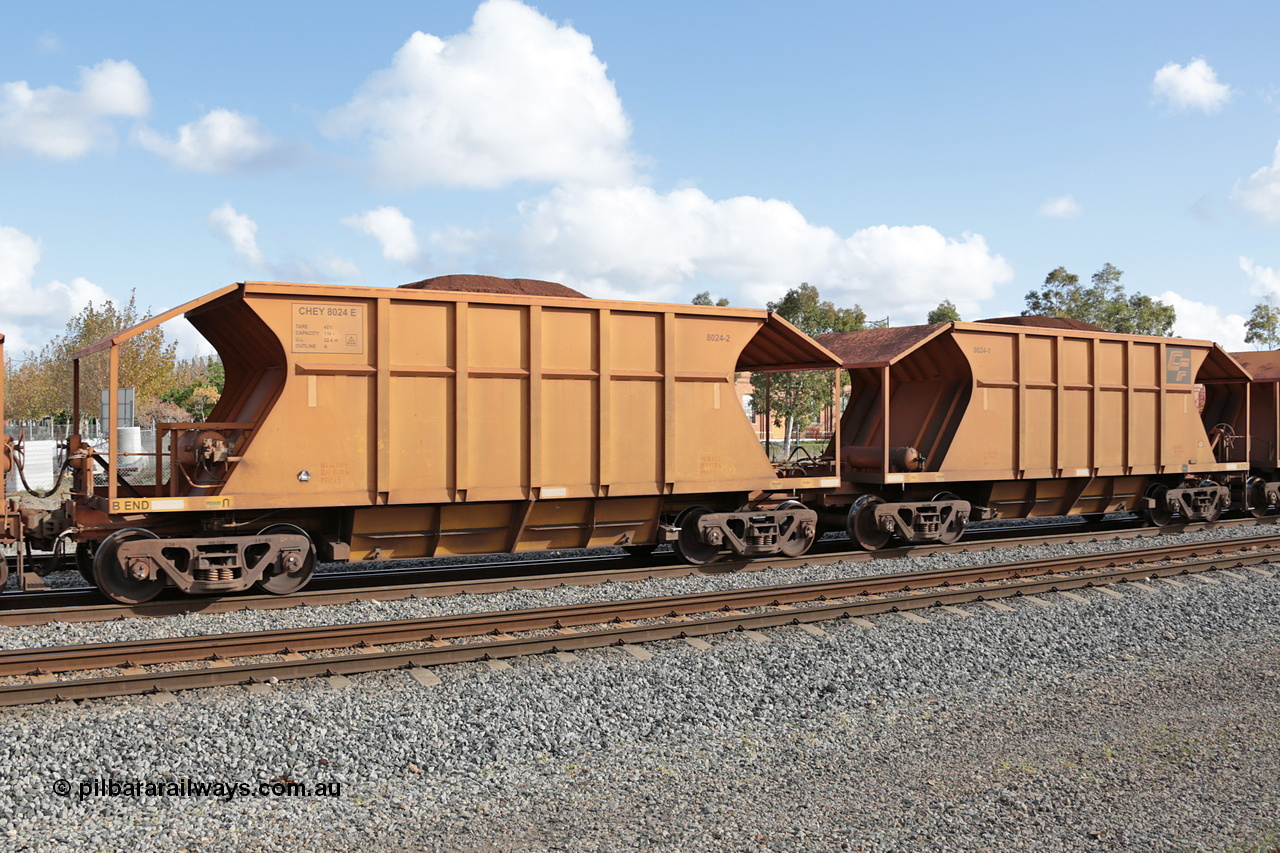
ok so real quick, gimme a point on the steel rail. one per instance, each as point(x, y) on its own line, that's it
point(146, 652)
point(502, 645)
point(85, 605)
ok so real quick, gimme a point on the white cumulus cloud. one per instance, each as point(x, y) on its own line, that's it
point(1062, 207)
point(64, 125)
point(1201, 321)
point(515, 97)
point(34, 313)
point(632, 242)
point(393, 231)
point(1264, 281)
point(220, 142)
point(241, 232)
point(238, 230)
point(1191, 86)
point(1261, 193)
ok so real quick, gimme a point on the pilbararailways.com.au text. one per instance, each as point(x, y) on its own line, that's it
point(224, 789)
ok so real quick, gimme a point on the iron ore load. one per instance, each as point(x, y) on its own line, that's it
point(360, 423)
point(474, 415)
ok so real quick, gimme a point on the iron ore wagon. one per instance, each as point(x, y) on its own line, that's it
point(1028, 417)
point(490, 416)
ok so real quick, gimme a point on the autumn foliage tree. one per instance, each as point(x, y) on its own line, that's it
point(197, 386)
point(39, 386)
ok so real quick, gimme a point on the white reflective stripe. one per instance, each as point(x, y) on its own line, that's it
point(557, 492)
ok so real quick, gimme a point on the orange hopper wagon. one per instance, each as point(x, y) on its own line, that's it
point(1030, 416)
point(490, 416)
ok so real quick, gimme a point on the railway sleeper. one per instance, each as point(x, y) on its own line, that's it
point(212, 565)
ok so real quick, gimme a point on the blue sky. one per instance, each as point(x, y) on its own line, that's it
point(893, 155)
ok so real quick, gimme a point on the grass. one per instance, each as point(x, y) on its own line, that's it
point(1267, 841)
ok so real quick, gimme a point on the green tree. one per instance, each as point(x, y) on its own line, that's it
point(1061, 296)
point(1263, 327)
point(945, 313)
point(795, 398)
point(1104, 303)
point(704, 298)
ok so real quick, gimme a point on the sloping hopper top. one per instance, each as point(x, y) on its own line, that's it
point(878, 347)
point(778, 345)
point(1262, 365)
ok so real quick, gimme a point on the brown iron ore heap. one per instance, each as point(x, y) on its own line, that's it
point(493, 284)
point(1044, 323)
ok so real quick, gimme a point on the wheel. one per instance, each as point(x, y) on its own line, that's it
point(113, 579)
point(283, 580)
point(689, 546)
point(862, 525)
point(798, 543)
point(1159, 516)
point(84, 561)
point(4, 570)
point(1255, 496)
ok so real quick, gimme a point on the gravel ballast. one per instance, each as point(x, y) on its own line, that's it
point(1146, 722)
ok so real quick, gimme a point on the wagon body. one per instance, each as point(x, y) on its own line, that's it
point(406, 422)
point(1032, 420)
point(1262, 426)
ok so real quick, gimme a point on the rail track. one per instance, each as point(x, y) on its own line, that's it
point(85, 604)
point(114, 669)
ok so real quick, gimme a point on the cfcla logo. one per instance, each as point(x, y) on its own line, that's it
point(1177, 366)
